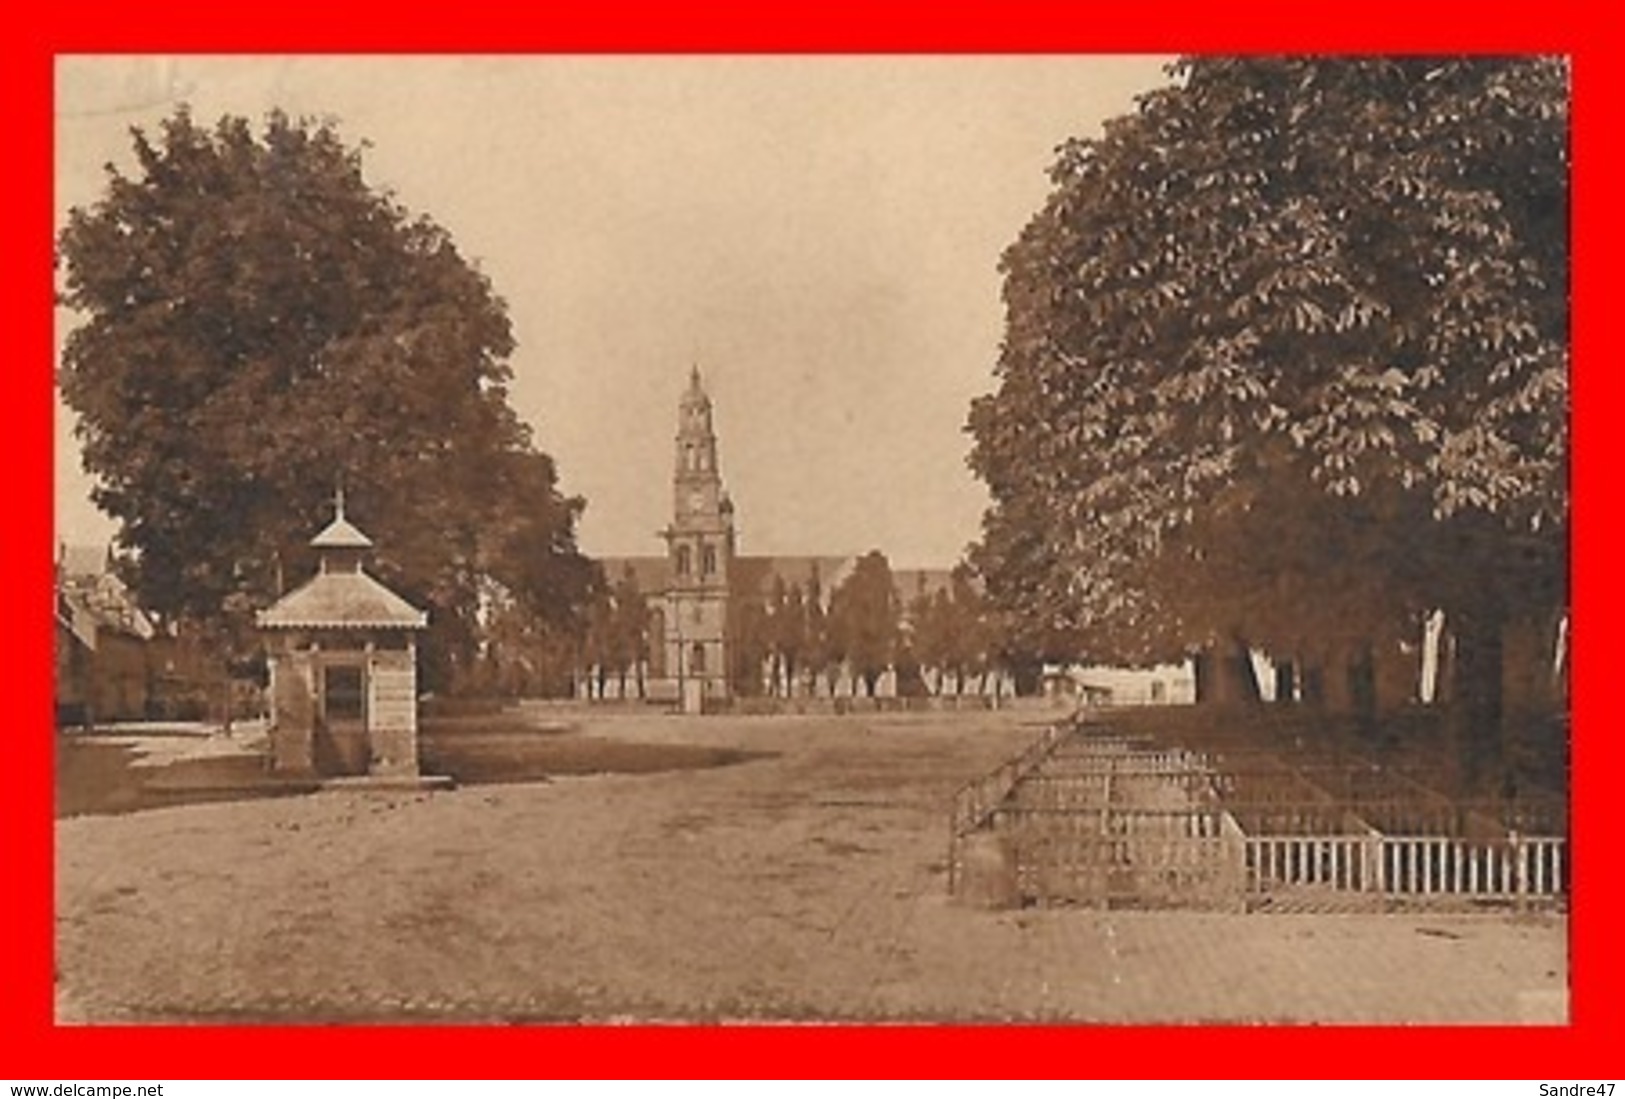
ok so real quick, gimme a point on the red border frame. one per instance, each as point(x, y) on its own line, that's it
point(39, 1048)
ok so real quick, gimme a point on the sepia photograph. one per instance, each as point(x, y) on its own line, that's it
point(615, 539)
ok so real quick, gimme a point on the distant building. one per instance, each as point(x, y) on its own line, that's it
point(1097, 685)
point(695, 587)
point(103, 639)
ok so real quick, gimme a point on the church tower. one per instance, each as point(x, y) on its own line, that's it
point(699, 547)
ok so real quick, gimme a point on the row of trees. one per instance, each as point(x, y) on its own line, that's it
point(1285, 367)
point(790, 640)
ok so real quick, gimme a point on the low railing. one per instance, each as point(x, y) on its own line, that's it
point(1165, 858)
point(1149, 763)
point(975, 802)
point(1438, 817)
point(1518, 868)
point(1336, 862)
point(1020, 821)
point(1087, 744)
point(1085, 816)
point(1308, 819)
point(1265, 787)
point(1047, 788)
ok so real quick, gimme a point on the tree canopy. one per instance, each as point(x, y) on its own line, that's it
point(258, 324)
point(864, 617)
point(1286, 358)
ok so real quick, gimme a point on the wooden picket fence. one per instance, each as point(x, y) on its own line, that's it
point(1394, 870)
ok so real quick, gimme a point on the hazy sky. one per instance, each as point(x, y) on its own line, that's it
point(819, 234)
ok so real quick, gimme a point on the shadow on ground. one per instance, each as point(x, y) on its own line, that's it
point(108, 775)
point(102, 776)
point(472, 755)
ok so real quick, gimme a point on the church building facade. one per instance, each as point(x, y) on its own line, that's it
point(694, 589)
point(691, 628)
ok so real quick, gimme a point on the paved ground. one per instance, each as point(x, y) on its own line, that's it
point(806, 882)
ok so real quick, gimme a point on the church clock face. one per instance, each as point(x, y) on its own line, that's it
point(696, 498)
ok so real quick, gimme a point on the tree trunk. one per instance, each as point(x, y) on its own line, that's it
point(1286, 682)
point(1560, 661)
point(1475, 716)
point(1532, 746)
point(1029, 676)
point(1345, 684)
point(1312, 683)
point(1225, 676)
point(225, 700)
point(1361, 671)
point(1528, 652)
point(1444, 672)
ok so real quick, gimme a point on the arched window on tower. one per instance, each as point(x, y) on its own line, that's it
point(685, 561)
point(708, 560)
point(696, 659)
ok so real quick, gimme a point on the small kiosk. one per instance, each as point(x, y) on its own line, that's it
point(343, 667)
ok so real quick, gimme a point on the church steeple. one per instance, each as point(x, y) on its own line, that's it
point(700, 546)
point(697, 480)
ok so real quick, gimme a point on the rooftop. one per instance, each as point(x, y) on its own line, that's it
point(342, 600)
point(340, 533)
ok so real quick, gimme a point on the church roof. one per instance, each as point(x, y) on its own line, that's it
point(650, 572)
point(342, 600)
point(755, 574)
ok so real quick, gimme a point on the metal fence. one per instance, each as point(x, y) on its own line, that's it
point(1087, 815)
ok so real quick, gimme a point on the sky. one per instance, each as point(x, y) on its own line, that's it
point(819, 235)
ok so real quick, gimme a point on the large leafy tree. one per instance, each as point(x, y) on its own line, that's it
point(823, 653)
point(631, 630)
point(258, 324)
point(865, 617)
point(750, 633)
point(787, 634)
point(1286, 364)
point(928, 631)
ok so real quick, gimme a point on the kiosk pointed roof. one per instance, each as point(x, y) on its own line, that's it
point(344, 596)
point(340, 533)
